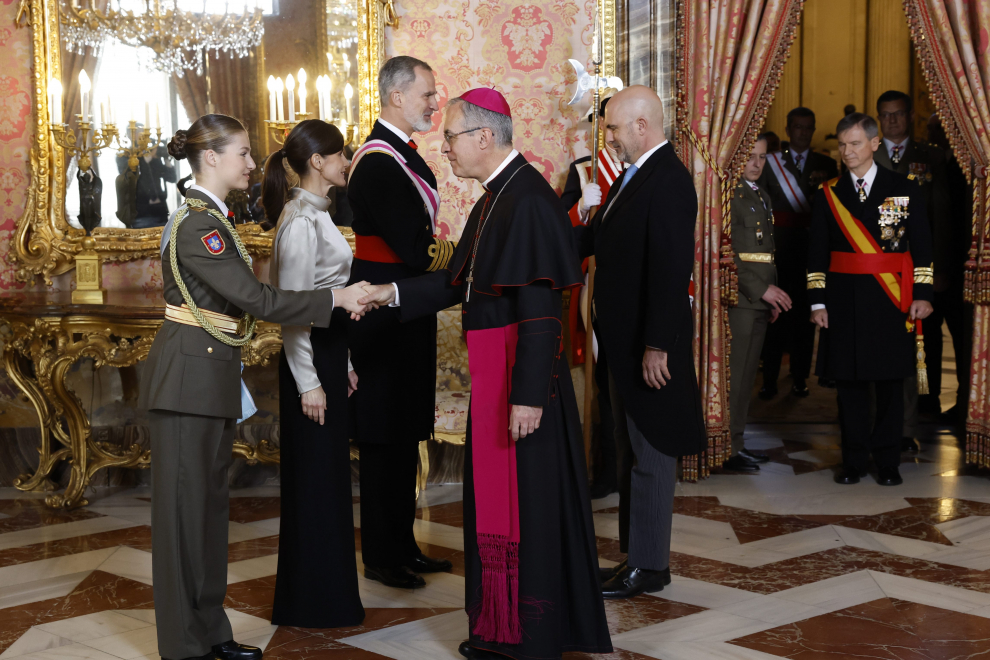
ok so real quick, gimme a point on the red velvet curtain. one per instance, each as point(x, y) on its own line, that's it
point(730, 54)
point(950, 37)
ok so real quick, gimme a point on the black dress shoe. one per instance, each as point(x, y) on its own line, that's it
point(233, 651)
point(607, 574)
point(399, 577)
point(424, 564)
point(800, 389)
point(767, 393)
point(631, 582)
point(472, 653)
point(848, 476)
point(754, 456)
point(600, 490)
point(908, 444)
point(889, 476)
point(739, 464)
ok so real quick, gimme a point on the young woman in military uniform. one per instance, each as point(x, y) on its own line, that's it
point(191, 388)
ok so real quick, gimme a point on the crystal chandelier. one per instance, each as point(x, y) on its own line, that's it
point(179, 38)
point(342, 23)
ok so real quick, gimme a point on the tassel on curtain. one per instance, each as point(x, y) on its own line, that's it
point(948, 36)
point(729, 58)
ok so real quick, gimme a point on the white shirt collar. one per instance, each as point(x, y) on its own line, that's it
point(802, 154)
point(870, 176)
point(498, 170)
point(216, 200)
point(405, 138)
point(645, 157)
point(890, 144)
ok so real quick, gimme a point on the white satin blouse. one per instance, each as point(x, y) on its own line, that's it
point(308, 253)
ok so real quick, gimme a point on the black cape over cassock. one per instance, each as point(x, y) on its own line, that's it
point(525, 258)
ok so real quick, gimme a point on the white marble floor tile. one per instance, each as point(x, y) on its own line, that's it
point(968, 530)
point(747, 554)
point(148, 616)
point(92, 626)
point(697, 650)
point(129, 563)
point(835, 593)
point(251, 569)
point(67, 530)
point(247, 625)
point(32, 641)
point(260, 641)
point(435, 638)
point(127, 645)
point(53, 567)
point(606, 525)
point(606, 502)
point(32, 592)
point(898, 545)
point(702, 594)
point(70, 652)
point(929, 593)
point(773, 610)
point(694, 536)
point(237, 532)
point(707, 626)
point(436, 495)
point(433, 533)
point(441, 590)
point(126, 508)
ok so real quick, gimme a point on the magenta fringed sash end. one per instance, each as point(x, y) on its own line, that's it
point(491, 355)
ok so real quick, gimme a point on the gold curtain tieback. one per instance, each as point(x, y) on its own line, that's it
point(185, 316)
point(756, 257)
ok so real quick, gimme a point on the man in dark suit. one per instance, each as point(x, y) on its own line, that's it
point(864, 284)
point(791, 179)
point(643, 241)
point(900, 153)
point(390, 191)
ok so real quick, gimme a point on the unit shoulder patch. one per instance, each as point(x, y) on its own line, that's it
point(214, 244)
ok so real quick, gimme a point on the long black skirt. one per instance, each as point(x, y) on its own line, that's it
point(317, 582)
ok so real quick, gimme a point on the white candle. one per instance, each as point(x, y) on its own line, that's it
point(321, 92)
point(84, 87)
point(290, 86)
point(103, 114)
point(109, 111)
point(279, 88)
point(302, 91)
point(348, 94)
point(327, 89)
point(58, 103)
point(147, 115)
point(158, 118)
point(272, 112)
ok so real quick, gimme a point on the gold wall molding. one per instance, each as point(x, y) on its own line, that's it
point(44, 244)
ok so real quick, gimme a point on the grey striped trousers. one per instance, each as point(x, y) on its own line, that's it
point(647, 478)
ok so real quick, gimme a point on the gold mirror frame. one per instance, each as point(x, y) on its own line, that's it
point(44, 243)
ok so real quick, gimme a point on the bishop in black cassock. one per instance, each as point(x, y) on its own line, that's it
point(532, 586)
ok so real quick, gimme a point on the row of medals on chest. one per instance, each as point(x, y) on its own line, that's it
point(892, 212)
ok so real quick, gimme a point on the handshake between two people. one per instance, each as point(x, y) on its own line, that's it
point(361, 297)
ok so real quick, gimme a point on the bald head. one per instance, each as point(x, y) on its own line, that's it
point(634, 122)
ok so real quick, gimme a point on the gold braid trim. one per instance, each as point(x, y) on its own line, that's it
point(247, 320)
point(924, 275)
point(816, 280)
point(442, 252)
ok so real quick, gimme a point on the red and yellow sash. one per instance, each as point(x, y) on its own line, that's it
point(894, 271)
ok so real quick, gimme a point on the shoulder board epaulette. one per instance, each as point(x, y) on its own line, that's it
point(195, 204)
point(373, 150)
point(911, 177)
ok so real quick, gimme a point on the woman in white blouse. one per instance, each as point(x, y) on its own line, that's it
point(317, 585)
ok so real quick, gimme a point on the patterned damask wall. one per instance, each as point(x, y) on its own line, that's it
point(521, 50)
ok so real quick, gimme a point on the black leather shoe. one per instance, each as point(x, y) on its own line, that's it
point(800, 389)
point(400, 577)
point(848, 476)
point(607, 574)
point(600, 490)
point(739, 464)
point(767, 393)
point(233, 651)
point(631, 582)
point(754, 456)
point(424, 564)
point(908, 444)
point(472, 653)
point(890, 476)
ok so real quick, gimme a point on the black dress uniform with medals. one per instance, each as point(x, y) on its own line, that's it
point(753, 244)
point(870, 255)
point(191, 388)
point(394, 405)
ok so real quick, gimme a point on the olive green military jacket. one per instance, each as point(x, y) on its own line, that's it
point(752, 242)
point(188, 370)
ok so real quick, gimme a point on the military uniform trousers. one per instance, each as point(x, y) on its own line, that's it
point(749, 328)
point(867, 429)
point(190, 456)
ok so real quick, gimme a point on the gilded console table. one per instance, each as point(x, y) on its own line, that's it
point(53, 334)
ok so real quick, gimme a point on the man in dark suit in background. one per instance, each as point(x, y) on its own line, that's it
point(791, 179)
point(643, 241)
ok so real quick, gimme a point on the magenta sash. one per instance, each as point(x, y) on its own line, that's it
point(491, 356)
point(431, 198)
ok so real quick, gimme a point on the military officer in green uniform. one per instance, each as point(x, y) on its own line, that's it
point(901, 153)
point(760, 299)
point(191, 388)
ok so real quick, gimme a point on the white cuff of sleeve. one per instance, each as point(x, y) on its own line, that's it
point(333, 300)
point(815, 308)
point(395, 303)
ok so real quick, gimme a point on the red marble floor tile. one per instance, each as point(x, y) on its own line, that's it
point(15, 621)
point(445, 514)
point(944, 509)
point(134, 537)
point(28, 514)
point(908, 523)
point(642, 611)
point(263, 547)
point(619, 654)
point(253, 597)
point(253, 509)
point(102, 591)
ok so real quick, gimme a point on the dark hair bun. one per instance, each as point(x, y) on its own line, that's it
point(177, 145)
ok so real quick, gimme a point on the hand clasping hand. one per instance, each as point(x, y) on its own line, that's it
point(378, 295)
point(348, 299)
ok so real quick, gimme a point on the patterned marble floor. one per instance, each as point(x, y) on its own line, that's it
point(784, 564)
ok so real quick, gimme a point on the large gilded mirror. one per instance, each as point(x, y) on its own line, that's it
point(112, 83)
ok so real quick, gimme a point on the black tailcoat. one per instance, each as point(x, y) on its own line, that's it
point(644, 251)
point(866, 337)
point(396, 362)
